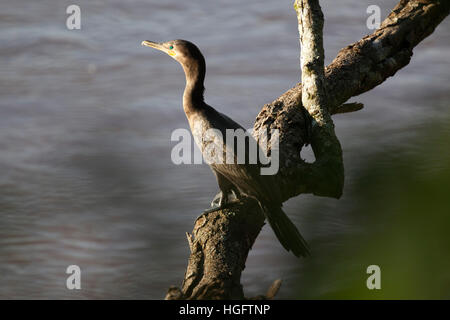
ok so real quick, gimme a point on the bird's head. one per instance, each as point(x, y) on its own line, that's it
point(185, 52)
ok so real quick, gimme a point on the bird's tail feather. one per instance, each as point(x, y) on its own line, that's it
point(286, 232)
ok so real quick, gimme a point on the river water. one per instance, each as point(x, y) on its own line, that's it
point(86, 118)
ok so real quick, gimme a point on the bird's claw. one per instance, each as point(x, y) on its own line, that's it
point(221, 201)
point(216, 201)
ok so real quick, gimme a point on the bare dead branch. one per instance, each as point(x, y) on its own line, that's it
point(357, 68)
point(326, 147)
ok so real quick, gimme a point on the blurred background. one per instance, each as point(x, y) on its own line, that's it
point(87, 179)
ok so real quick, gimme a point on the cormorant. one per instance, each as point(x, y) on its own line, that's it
point(241, 179)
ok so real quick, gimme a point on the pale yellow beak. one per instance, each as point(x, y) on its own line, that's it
point(155, 45)
point(158, 46)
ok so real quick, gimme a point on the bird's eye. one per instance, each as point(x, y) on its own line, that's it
point(171, 47)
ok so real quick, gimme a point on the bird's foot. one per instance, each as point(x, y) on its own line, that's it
point(221, 201)
point(219, 197)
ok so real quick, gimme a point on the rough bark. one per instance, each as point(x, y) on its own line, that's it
point(326, 147)
point(219, 247)
point(220, 241)
point(357, 68)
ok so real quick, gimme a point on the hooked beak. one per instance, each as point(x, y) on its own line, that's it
point(155, 45)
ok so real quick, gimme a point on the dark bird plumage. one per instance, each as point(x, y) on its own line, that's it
point(242, 179)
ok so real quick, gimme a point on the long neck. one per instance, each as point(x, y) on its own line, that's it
point(193, 93)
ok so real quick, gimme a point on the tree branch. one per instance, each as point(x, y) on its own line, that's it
point(219, 246)
point(326, 147)
point(221, 240)
point(357, 68)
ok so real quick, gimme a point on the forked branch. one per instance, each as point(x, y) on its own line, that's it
point(357, 68)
